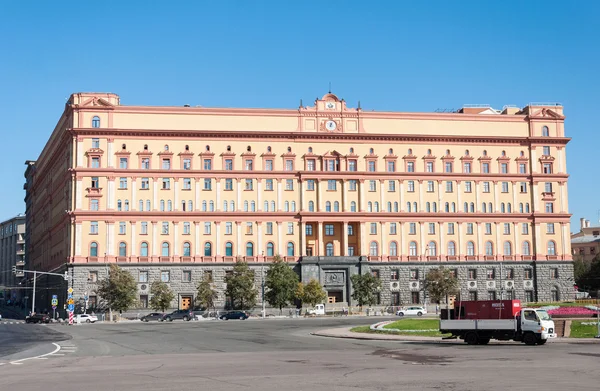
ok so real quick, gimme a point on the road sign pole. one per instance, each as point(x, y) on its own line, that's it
point(33, 294)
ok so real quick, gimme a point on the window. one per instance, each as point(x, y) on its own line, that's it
point(95, 124)
point(309, 230)
point(350, 230)
point(489, 248)
point(470, 248)
point(144, 250)
point(187, 184)
point(522, 168)
point(328, 229)
point(166, 164)
point(146, 163)
point(208, 249)
point(549, 207)
point(547, 168)
point(412, 228)
point(551, 248)
point(448, 167)
point(413, 274)
point(371, 166)
point(165, 249)
point(228, 249)
point(432, 248)
point(545, 131)
point(352, 185)
point(507, 228)
point(165, 228)
point(94, 205)
point(507, 248)
point(451, 249)
point(328, 206)
point(95, 162)
point(450, 228)
point(467, 168)
point(249, 249)
point(166, 183)
point(529, 296)
point(310, 185)
point(449, 188)
point(165, 276)
point(490, 274)
point(123, 162)
point(373, 228)
point(269, 228)
point(248, 165)
point(393, 249)
point(373, 250)
point(526, 248)
point(469, 228)
point(412, 249)
point(548, 187)
point(353, 206)
point(329, 249)
point(392, 228)
point(331, 184)
point(472, 274)
point(411, 187)
point(94, 227)
point(268, 165)
point(430, 187)
point(391, 166)
point(270, 249)
point(207, 227)
point(143, 276)
point(509, 273)
point(488, 228)
point(429, 166)
point(391, 186)
point(372, 186)
point(550, 228)
point(431, 228)
point(290, 228)
point(122, 228)
point(503, 168)
point(525, 228)
point(186, 276)
point(546, 151)
point(410, 167)
point(290, 249)
point(504, 187)
point(554, 273)
point(485, 168)
point(145, 185)
point(93, 249)
point(527, 274)
point(249, 184)
point(229, 164)
point(144, 228)
point(486, 187)
point(311, 206)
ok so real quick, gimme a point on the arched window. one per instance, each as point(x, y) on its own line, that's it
point(527, 207)
point(353, 206)
point(508, 207)
point(232, 206)
point(145, 147)
point(186, 249)
point(144, 249)
point(289, 149)
point(521, 207)
point(389, 206)
point(525, 248)
point(427, 207)
point(126, 205)
point(435, 207)
point(371, 151)
point(266, 206)
point(409, 151)
point(148, 205)
point(490, 208)
point(190, 206)
point(270, 249)
point(376, 206)
point(483, 207)
point(141, 206)
point(166, 147)
point(269, 148)
point(502, 208)
point(415, 207)
point(467, 152)
point(122, 249)
point(211, 206)
point(208, 249)
point(432, 249)
point(390, 151)
point(489, 248)
point(187, 147)
point(249, 249)
point(507, 248)
point(273, 206)
point(225, 205)
point(395, 206)
point(503, 153)
point(162, 205)
point(373, 251)
point(472, 207)
point(329, 249)
point(470, 248)
point(336, 206)
point(95, 122)
point(203, 206)
point(451, 249)
point(228, 249)
point(551, 247)
point(447, 207)
point(245, 206)
point(252, 206)
point(249, 148)
point(310, 150)
point(119, 205)
point(286, 206)
point(169, 205)
point(393, 249)
point(466, 207)
point(484, 152)
point(453, 207)
point(93, 249)
point(165, 249)
point(290, 249)
point(293, 208)
point(369, 206)
point(545, 131)
point(408, 207)
point(351, 150)
point(328, 206)
point(412, 249)
point(311, 206)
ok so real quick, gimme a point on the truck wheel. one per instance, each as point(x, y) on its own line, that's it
point(483, 341)
point(542, 341)
point(530, 339)
point(471, 338)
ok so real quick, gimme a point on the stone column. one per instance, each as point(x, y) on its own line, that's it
point(320, 227)
point(442, 245)
point(197, 238)
point(80, 151)
point(155, 193)
point(420, 209)
point(239, 195)
point(363, 239)
point(260, 237)
point(459, 241)
point(440, 197)
point(279, 236)
point(176, 189)
point(197, 195)
point(109, 237)
point(218, 240)
point(561, 187)
point(259, 207)
point(110, 197)
point(175, 238)
point(423, 244)
point(134, 200)
point(496, 198)
point(480, 249)
point(535, 207)
point(109, 153)
point(383, 244)
point(238, 245)
point(382, 195)
point(517, 244)
point(459, 198)
point(345, 195)
point(154, 253)
point(477, 198)
point(218, 207)
point(133, 244)
point(362, 194)
point(402, 208)
point(320, 194)
point(345, 238)
point(303, 239)
point(499, 242)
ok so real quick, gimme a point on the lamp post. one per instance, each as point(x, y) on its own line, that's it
point(262, 276)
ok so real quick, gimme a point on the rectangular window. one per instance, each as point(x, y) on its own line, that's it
point(507, 228)
point(95, 162)
point(391, 186)
point(166, 183)
point(249, 184)
point(547, 168)
point(411, 186)
point(310, 185)
point(328, 229)
point(145, 163)
point(509, 273)
point(549, 207)
point(546, 151)
point(486, 187)
point(372, 186)
point(228, 228)
point(394, 275)
point(187, 184)
point(249, 228)
point(529, 296)
point(554, 273)
point(330, 165)
point(352, 165)
point(268, 165)
point(143, 276)
point(186, 228)
point(165, 228)
point(122, 183)
point(550, 228)
point(485, 168)
point(165, 276)
point(94, 227)
point(410, 167)
point(331, 184)
point(527, 274)
point(525, 229)
point(490, 274)
point(187, 164)
point(413, 274)
point(488, 228)
point(145, 185)
point(468, 187)
point(309, 230)
point(504, 168)
point(522, 168)
point(248, 165)
point(523, 187)
point(469, 228)
point(186, 276)
point(166, 164)
point(448, 167)
point(207, 226)
point(548, 187)
point(207, 164)
point(430, 187)
point(431, 228)
point(375, 273)
point(290, 229)
point(207, 184)
point(123, 162)
point(472, 274)
point(429, 166)
point(269, 228)
point(208, 274)
point(450, 228)
point(289, 184)
point(392, 228)
point(467, 168)
point(371, 166)
point(269, 184)
point(228, 164)
point(289, 165)
point(352, 185)
point(144, 228)
point(93, 277)
point(373, 228)
point(491, 295)
point(412, 228)
point(449, 188)
point(96, 143)
point(122, 228)
point(472, 296)
point(504, 187)
point(94, 205)
point(311, 165)
point(391, 166)
point(229, 184)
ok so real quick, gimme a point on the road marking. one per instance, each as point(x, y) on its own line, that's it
point(19, 362)
point(58, 354)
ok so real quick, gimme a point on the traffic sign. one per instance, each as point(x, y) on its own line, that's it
point(54, 302)
point(71, 307)
point(70, 296)
point(70, 290)
point(53, 307)
point(70, 301)
point(54, 297)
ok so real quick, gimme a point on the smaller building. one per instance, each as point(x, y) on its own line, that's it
point(12, 254)
point(585, 244)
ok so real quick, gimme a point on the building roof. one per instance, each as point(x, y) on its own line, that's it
point(585, 239)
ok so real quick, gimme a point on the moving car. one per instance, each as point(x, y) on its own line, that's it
point(179, 314)
point(87, 318)
point(153, 316)
point(416, 310)
point(241, 315)
point(37, 318)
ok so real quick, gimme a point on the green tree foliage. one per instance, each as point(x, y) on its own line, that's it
point(119, 290)
point(162, 296)
point(240, 287)
point(365, 288)
point(311, 293)
point(207, 294)
point(281, 284)
point(439, 283)
point(587, 274)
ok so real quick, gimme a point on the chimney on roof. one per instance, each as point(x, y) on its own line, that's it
point(582, 223)
point(587, 224)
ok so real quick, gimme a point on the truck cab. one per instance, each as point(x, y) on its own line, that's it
point(319, 309)
point(536, 321)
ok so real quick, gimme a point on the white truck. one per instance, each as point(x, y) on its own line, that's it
point(477, 322)
point(319, 309)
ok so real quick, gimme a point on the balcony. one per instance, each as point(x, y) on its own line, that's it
point(20, 263)
point(21, 252)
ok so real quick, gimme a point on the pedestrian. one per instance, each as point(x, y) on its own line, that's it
point(437, 309)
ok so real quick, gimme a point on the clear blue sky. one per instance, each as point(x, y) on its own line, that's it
point(401, 56)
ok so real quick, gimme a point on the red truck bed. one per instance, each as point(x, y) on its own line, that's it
point(487, 309)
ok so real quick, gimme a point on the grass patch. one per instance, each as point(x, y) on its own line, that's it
point(407, 324)
point(561, 304)
point(579, 330)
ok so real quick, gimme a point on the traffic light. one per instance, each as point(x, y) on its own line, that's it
point(14, 270)
point(66, 276)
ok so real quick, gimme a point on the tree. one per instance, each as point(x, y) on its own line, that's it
point(119, 290)
point(162, 296)
point(207, 294)
point(580, 270)
point(240, 287)
point(365, 287)
point(311, 293)
point(440, 282)
point(281, 284)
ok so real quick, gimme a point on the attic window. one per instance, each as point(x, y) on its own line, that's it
point(429, 151)
point(124, 147)
point(351, 150)
point(467, 152)
point(447, 152)
point(249, 148)
point(96, 122)
point(391, 151)
point(410, 151)
point(208, 148)
point(145, 147)
point(371, 151)
point(309, 149)
point(229, 148)
point(269, 149)
point(187, 147)
point(484, 152)
point(522, 154)
point(545, 132)
point(503, 153)
point(289, 149)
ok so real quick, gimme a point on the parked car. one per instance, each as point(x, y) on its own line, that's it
point(153, 316)
point(179, 314)
point(38, 318)
point(87, 318)
point(241, 315)
point(419, 311)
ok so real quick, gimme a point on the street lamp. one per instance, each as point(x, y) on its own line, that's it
point(262, 277)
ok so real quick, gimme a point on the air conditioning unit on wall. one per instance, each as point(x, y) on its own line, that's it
point(509, 284)
point(414, 285)
point(394, 286)
point(490, 284)
point(143, 287)
point(472, 285)
point(528, 284)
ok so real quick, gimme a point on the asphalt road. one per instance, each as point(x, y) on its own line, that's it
point(281, 354)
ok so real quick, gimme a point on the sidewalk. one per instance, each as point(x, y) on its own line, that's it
point(344, 332)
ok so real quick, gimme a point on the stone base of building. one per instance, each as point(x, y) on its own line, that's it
point(402, 283)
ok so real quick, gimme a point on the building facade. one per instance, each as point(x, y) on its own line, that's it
point(585, 244)
point(172, 193)
point(12, 255)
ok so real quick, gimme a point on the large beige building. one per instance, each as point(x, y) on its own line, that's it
point(171, 193)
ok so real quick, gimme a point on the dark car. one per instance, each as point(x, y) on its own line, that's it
point(37, 318)
point(179, 314)
point(153, 316)
point(241, 315)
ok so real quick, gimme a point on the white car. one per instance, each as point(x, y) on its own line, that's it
point(87, 318)
point(419, 311)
